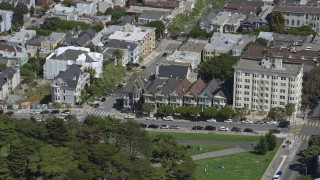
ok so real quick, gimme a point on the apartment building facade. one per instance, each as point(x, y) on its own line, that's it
point(262, 85)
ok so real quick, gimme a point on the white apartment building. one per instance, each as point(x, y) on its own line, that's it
point(262, 85)
point(6, 18)
point(64, 13)
point(143, 36)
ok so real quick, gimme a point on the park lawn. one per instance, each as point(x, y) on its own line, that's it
point(206, 148)
point(247, 165)
point(209, 137)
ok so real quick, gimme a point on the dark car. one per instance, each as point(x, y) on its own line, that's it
point(236, 129)
point(143, 125)
point(210, 128)
point(197, 128)
point(249, 130)
point(55, 111)
point(313, 107)
point(284, 124)
point(103, 99)
point(164, 54)
point(10, 113)
point(259, 122)
point(96, 105)
point(275, 131)
point(45, 112)
point(153, 126)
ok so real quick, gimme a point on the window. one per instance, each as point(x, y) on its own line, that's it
point(262, 76)
point(283, 78)
point(261, 82)
point(247, 87)
point(298, 22)
point(282, 91)
point(267, 95)
point(282, 97)
point(239, 86)
point(267, 89)
point(238, 98)
point(266, 101)
point(246, 93)
point(255, 94)
point(238, 73)
point(283, 84)
point(261, 94)
point(247, 74)
point(246, 99)
point(292, 22)
point(247, 80)
point(246, 105)
point(261, 88)
point(274, 77)
point(281, 103)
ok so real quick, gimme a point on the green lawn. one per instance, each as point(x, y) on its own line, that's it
point(246, 165)
point(210, 137)
point(206, 148)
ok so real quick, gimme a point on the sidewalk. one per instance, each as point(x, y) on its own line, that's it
point(218, 153)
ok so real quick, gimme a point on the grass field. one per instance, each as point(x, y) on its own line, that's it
point(210, 137)
point(246, 165)
point(207, 148)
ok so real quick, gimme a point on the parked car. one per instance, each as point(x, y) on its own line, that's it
point(164, 54)
point(275, 131)
point(278, 175)
point(164, 127)
point(35, 112)
point(143, 125)
point(168, 118)
point(38, 119)
point(197, 128)
point(223, 128)
point(65, 113)
point(272, 122)
point(259, 122)
point(228, 121)
point(151, 118)
point(284, 124)
point(55, 111)
point(247, 121)
point(129, 116)
point(210, 128)
point(45, 112)
point(153, 126)
point(174, 127)
point(10, 113)
point(212, 120)
point(96, 105)
point(236, 129)
point(248, 130)
point(103, 99)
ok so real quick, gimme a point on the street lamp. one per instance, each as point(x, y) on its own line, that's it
point(306, 171)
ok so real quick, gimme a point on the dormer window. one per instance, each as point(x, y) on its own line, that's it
point(63, 84)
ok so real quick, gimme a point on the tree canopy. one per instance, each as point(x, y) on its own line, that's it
point(277, 22)
point(97, 148)
point(160, 27)
point(304, 30)
point(219, 67)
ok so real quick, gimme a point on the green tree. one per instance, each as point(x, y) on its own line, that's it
point(6, 6)
point(263, 28)
point(194, 110)
point(277, 112)
point(147, 108)
point(258, 10)
point(240, 113)
point(165, 110)
point(219, 67)
point(262, 41)
point(141, 59)
point(17, 159)
point(66, 3)
point(304, 178)
point(32, 10)
point(7, 133)
point(160, 27)
point(118, 53)
point(277, 22)
point(226, 111)
point(290, 108)
point(198, 33)
point(52, 162)
point(4, 169)
point(19, 11)
point(271, 140)
point(262, 146)
point(58, 133)
point(304, 30)
point(182, 110)
point(210, 112)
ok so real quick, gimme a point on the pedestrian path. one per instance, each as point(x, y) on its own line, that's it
point(175, 41)
point(218, 153)
point(98, 112)
point(304, 137)
point(312, 123)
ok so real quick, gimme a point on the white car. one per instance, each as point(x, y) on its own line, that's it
point(129, 117)
point(164, 127)
point(212, 120)
point(272, 122)
point(222, 128)
point(168, 118)
point(247, 121)
point(151, 118)
point(228, 121)
point(38, 119)
point(35, 112)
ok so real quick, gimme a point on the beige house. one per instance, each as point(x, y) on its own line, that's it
point(51, 42)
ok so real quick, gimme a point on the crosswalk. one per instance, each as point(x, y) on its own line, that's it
point(304, 137)
point(312, 123)
point(99, 113)
point(168, 51)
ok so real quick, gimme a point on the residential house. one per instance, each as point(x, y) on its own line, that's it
point(64, 13)
point(64, 57)
point(8, 62)
point(152, 88)
point(34, 45)
point(102, 37)
point(108, 53)
point(148, 16)
point(212, 96)
point(68, 84)
point(28, 3)
point(102, 19)
point(176, 97)
point(77, 37)
point(143, 36)
point(267, 83)
point(219, 21)
point(297, 15)
point(86, 8)
point(9, 80)
point(162, 97)
point(22, 37)
point(173, 70)
point(252, 22)
point(165, 5)
point(170, 13)
point(119, 3)
point(51, 42)
point(14, 52)
point(193, 45)
point(104, 5)
point(206, 21)
point(227, 22)
point(127, 19)
point(6, 18)
point(194, 58)
point(191, 97)
point(286, 40)
point(134, 90)
point(223, 43)
point(132, 48)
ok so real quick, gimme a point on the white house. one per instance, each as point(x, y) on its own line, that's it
point(64, 13)
point(6, 18)
point(20, 38)
point(63, 57)
point(104, 5)
point(9, 80)
point(86, 8)
point(193, 58)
